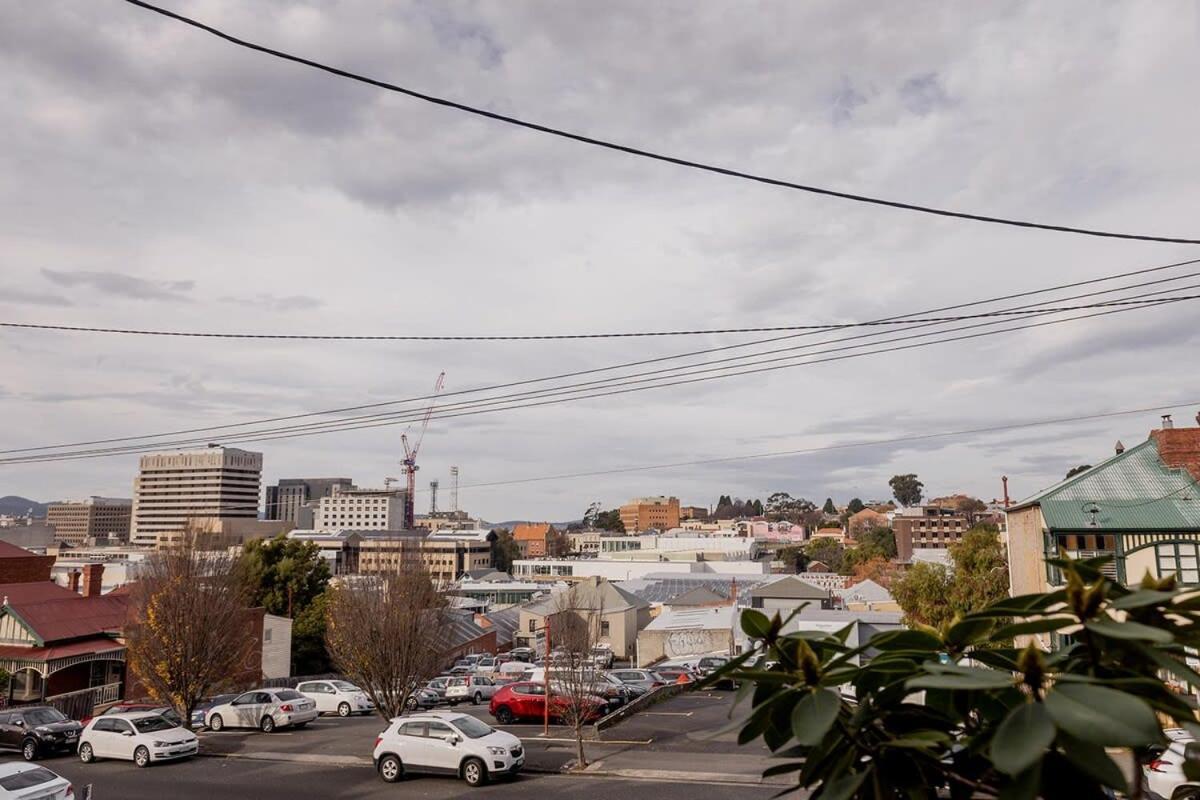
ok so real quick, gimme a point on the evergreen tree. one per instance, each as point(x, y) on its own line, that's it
point(829, 507)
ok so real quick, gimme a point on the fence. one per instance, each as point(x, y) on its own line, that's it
point(82, 703)
point(296, 680)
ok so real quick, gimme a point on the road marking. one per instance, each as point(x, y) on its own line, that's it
point(540, 738)
point(667, 713)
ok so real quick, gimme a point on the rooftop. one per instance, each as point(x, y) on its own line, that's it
point(716, 618)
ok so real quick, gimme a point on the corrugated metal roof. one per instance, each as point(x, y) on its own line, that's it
point(1133, 491)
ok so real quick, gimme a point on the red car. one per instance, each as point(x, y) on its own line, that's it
point(526, 701)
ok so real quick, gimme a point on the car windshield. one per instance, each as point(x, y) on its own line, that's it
point(151, 724)
point(43, 716)
point(344, 686)
point(458, 682)
point(471, 727)
point(23, 780)
point(288, 694)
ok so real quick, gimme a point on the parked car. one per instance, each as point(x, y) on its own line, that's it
point(36, 731)
point(487, 665)
point(439, 685)
point(602, 656)
point(19, 780)
point(265, 709)
point(1164, 775)
point(448, 743)
point(673, 674)
point(461, 669)
point(526, 701)
point(475, 688)
point(337, 697)
point(613, 696)
point(642, 678)
point(709, 664)
point(166, 712)
point(142, 737)
point(201, 709)
point(525, 654)
point(422, 698)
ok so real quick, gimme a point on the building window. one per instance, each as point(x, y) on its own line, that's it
point(533, 626)
point(1180, 558)
point(604, 627)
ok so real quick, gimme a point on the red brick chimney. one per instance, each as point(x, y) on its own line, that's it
point(1179, 447)
point(93, 575)
point(73, 576)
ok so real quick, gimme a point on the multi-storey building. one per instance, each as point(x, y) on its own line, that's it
point(361, 510)
point(445, 555)
point(930, 527)
point(644, 513)
point(538, 540)
point(288, 498)
point(173, 488)
point(77, 522)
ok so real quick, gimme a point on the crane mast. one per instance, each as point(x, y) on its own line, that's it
point(410, 458)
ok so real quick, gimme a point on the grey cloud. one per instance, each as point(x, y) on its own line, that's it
point(268, 302)
point(923, 94)
point(21, 297)
point(116, 283)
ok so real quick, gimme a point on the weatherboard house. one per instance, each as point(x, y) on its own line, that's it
point(1141, 507)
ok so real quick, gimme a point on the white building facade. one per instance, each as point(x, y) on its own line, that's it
point(361, 510)
point(173, 488)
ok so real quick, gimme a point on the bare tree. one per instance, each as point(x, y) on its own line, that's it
point(190, 630)
point(576, 627)
point(388, 632)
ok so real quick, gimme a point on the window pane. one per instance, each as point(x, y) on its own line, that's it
point(1190, 576)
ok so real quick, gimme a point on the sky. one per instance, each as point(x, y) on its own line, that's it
point(156, 177)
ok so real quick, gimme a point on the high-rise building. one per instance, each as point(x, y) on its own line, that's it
point(75, 522)
point(173, 488)
point(361, 510)
point(644, 513)
point(286, 499)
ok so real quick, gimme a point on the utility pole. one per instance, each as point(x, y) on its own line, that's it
point(546, 674)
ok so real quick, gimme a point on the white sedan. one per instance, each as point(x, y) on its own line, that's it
point(20, 780)
point(337, 697)
point(265, 709)
point(141, 737)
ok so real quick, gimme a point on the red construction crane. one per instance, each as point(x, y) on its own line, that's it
point(410, 458)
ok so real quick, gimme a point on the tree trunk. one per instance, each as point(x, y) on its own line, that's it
point(580, 758)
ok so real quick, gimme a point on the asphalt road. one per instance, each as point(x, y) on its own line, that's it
point(218, 778)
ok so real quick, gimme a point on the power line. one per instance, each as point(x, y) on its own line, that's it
point(619, 389)
point(643, 362)
point(642, 153)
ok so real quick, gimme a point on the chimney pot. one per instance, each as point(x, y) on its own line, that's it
point(73, 580)
point(1167, 423)
point(93, 576)
point(1120, 448)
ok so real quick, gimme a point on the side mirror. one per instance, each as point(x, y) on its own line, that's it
point(454, 740)
point(20, 723)
point(127, 733)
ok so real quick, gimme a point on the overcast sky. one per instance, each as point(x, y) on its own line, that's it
point(154, 176)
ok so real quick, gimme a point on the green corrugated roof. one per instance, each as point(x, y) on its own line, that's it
point(1133, 490)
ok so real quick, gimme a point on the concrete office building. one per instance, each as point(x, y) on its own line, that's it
point(361, 510)
point(287, 499)
point(97, 518)
point(173, 488)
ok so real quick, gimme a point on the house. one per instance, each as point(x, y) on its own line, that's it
point(787, 593)
point(504, 623)
point(867, 595)
point(1141, 507)
point(691, 632)
point(622, 614)
point(862, 625)
point(698, 597)
point(537, 539)
point(864, 521)
point(465, 634)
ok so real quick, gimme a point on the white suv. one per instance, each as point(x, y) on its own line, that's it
point(449, 743)
point(475, 688)
point(340, 697)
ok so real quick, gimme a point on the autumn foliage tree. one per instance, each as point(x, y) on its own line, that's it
point(190, 629)
point(387, 633)
point(932, 594)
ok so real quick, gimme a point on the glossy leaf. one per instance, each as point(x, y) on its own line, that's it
point(1035, 626)
point(1022, 738)
point(842, 787)
point(1102, 716)
point(814, 715)
point(1092, 760)
point(755, 624)
point(1143, 598)
point(963, 681)
point(969, 631)
point(1135, 631)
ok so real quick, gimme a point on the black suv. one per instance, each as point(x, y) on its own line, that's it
point(37, 731)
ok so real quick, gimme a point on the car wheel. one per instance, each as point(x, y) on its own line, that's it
point(411, 705)
point(504, 716)
point(390, 769)
point(477, 699)
point(267, 725)
point(141, 757)
point(474, 772)
point(86, 755)
point(344, 710)
point(29, 750)
point(215, 723)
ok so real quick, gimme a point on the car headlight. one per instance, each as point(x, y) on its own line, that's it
point(162, 744)
point(497, 751)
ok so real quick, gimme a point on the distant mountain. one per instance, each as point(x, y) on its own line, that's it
point(11, 504)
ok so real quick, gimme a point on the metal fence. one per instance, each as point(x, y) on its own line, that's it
point(295, 680)
point(81, 704)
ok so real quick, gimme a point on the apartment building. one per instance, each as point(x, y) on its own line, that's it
point(361, 510)
point(173, 488)
point(929, 527)
point(96, 518)
point(644, 513)
point(446, 555)
point(289, 498)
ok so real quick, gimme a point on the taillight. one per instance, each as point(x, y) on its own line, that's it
point(286, 708)
point(70, 790)
point(1158, 764)
point(378, 740)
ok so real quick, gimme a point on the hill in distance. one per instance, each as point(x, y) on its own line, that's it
point(18, 506)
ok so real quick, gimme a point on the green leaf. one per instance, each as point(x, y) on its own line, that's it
point(905, 640)
point(814, 715)
point(1024, 786)
point(1143, 598)
point(1091, 759)
point(963, 681)
point(969, 631)
point(1034, 626)
point(1106, 626)
point(1102, 716)
point(783, 769)
point(842, 787)
point(1022, 738)
point(755, 624)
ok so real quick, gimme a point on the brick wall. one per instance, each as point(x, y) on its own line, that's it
point(1179, 447)
point(25, 569)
